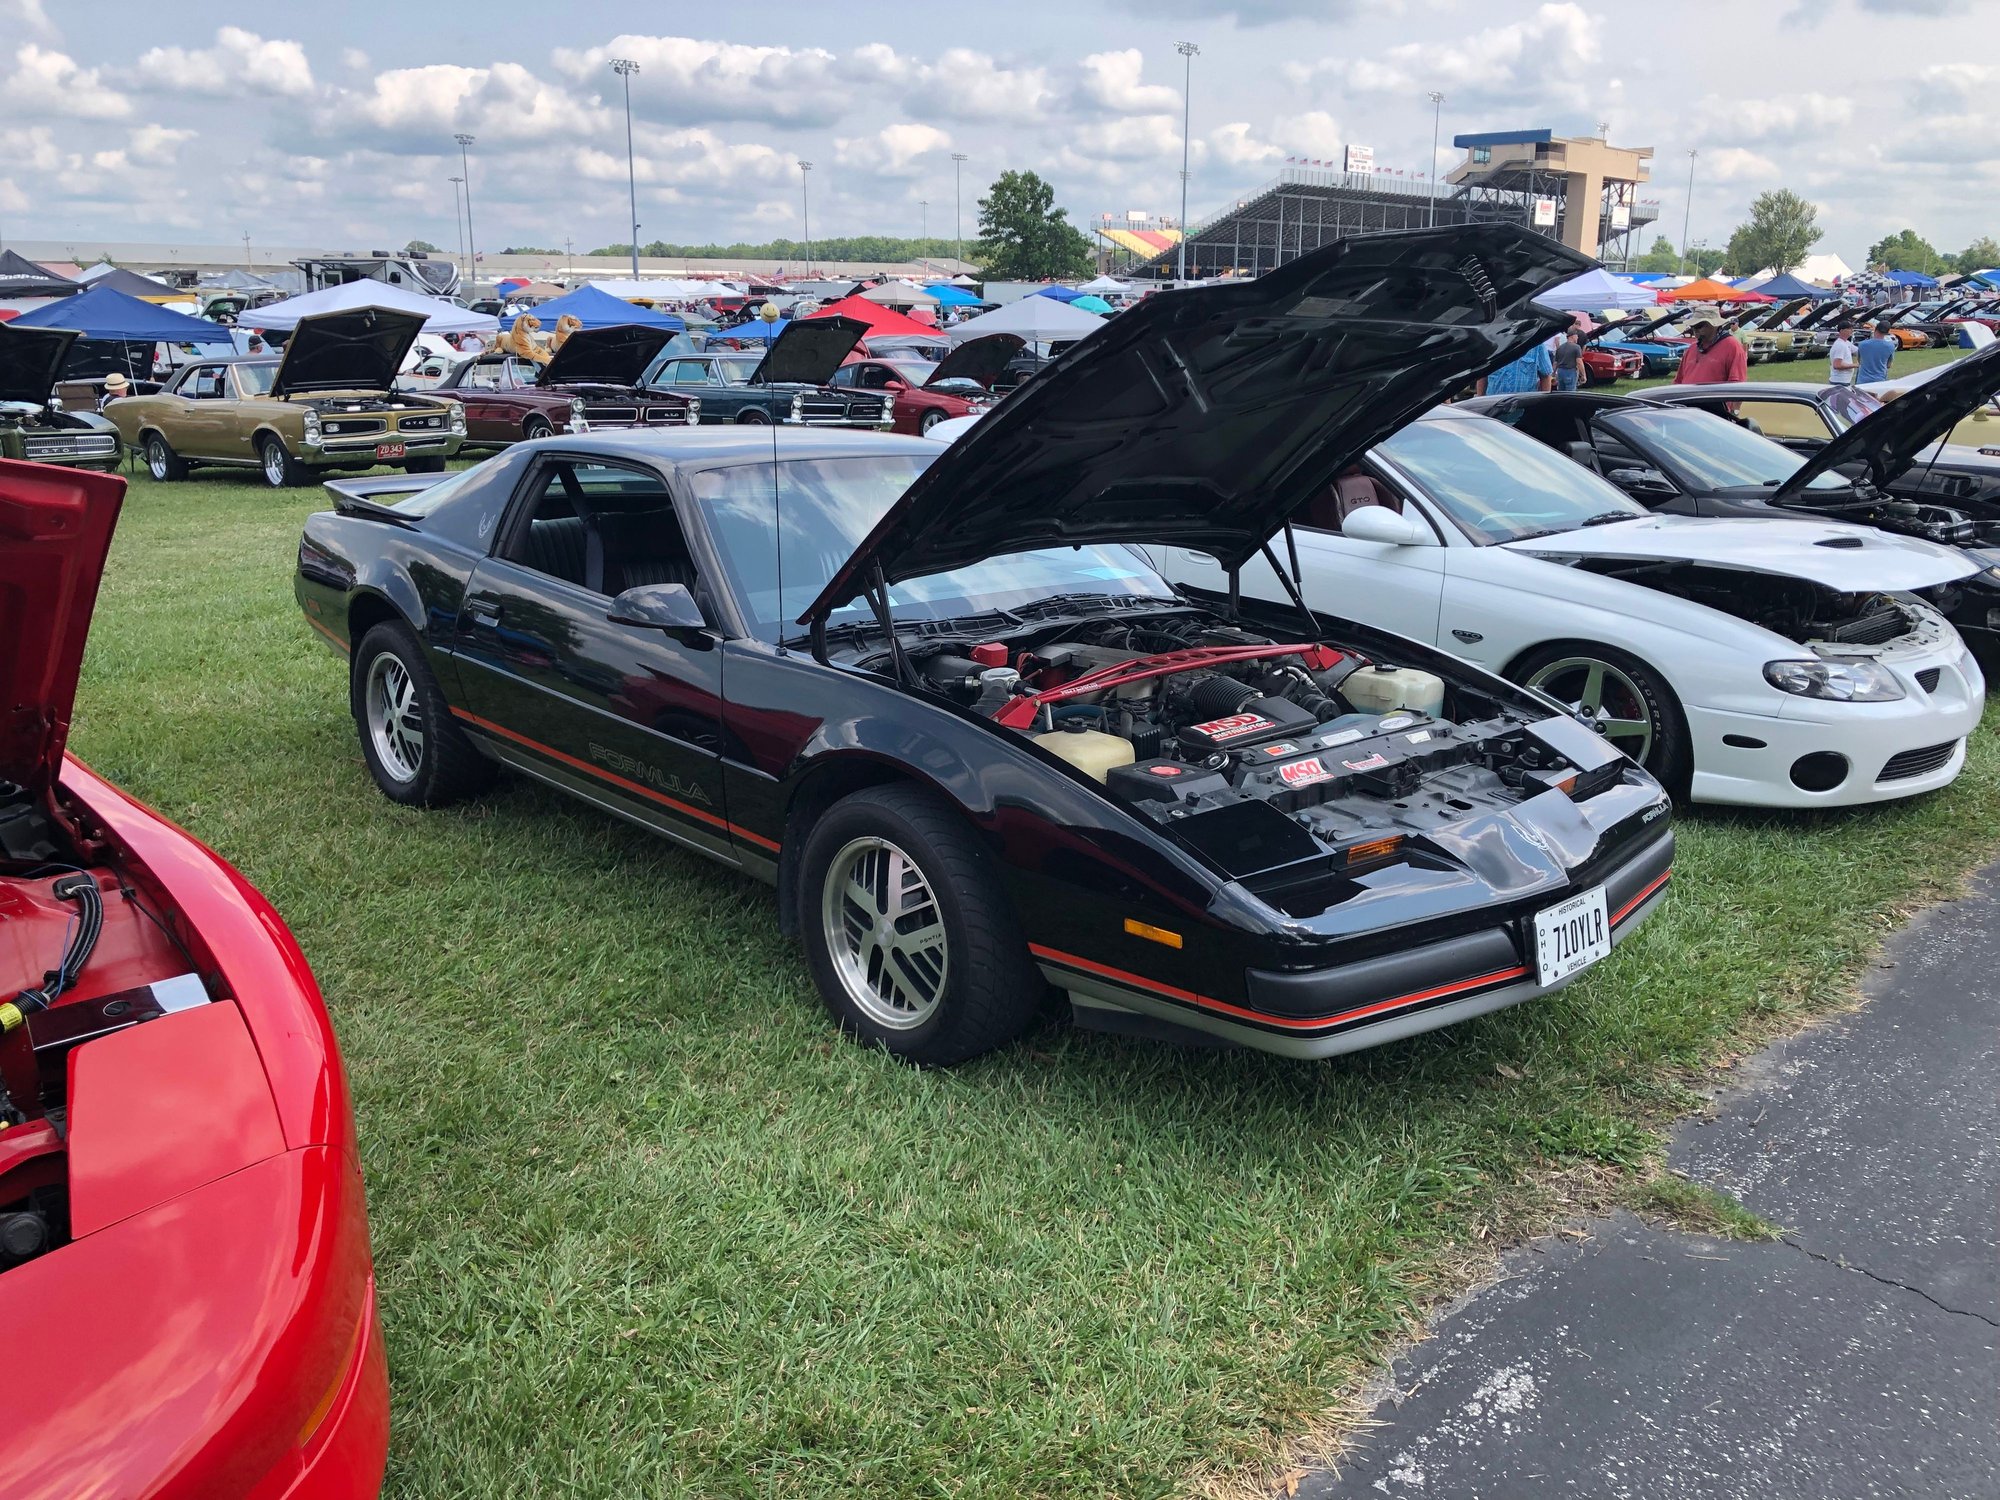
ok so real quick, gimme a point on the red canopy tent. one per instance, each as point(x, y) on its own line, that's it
point(880, 320)
point(1708, 289)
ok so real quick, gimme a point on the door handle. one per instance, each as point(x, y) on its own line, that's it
point(484, 612)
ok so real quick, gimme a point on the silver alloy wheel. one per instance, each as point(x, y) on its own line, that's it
point(1605, 696)
point(156, 457)
point(274, 463)
point(931, 419)
point(885, 933)
point(395, 726)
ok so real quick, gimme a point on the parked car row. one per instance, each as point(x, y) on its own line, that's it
point(1218, 678)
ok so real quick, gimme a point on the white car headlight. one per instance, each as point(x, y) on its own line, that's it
point(576, 417)
point(312, 429)
point(1839, 681)
point(798, 408)
point(458, 419)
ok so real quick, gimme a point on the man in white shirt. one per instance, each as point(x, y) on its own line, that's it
point(1845, 358)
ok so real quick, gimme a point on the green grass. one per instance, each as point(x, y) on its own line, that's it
point(1816, 371)
point(645, 1226)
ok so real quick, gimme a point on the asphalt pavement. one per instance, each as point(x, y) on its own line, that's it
point(1855, 1357)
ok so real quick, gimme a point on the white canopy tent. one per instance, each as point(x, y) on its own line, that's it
point(1107, 285)
point(899, 294)
point(439, 317)
point(1596, 291)
point(1039, 320)
point(660, 289)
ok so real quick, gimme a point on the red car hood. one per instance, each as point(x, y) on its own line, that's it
point(55, 529)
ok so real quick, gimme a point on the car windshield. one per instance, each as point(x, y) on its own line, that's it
point(1711, 451)
point(1502, 486)
point(738, 371)
point(257, 379)
point(915, 371)
point(829, 505)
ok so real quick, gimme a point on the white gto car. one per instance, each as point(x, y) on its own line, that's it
point(1775, 663)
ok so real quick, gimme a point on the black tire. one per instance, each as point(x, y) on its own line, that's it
point(434, 464)
point(752, 416)
point(165, 465)
point(448, 766)
point(929, 420)
point(276, 464)
point(535, 427)
point(990, 989)
point(1670, 753)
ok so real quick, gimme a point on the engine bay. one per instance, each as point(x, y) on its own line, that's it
point(26, 416)
point(1795, 608)
point(84, 953)
point(1279, 762)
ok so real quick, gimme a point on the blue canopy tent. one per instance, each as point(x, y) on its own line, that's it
point(952, 296)
point(756, 331)
point(1785, 286)
point(1910, 278)
point(106, 313)
point(599, 309)
point(1060, 293)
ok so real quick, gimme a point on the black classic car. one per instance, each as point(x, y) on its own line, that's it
point(1752, 450)
point(592, 380)
point(789, 382)
point(939, 699)
point(31, 426)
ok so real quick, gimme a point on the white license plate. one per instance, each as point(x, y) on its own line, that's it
point(1571, 936)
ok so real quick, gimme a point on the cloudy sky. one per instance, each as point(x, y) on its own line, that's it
point(331, 124)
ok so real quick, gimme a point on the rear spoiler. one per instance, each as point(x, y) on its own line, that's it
point(355, 497)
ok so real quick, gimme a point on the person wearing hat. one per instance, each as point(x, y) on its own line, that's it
point(115, 385)
point(1716, 357)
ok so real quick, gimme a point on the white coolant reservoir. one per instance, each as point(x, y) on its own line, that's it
point(1380, 689)
point(1091, 751)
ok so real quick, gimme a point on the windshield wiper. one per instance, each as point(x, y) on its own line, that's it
point(1606, 517)
point(859, 630)
point(1068, 604)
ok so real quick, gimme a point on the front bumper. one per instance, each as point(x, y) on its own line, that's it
point(1758, 760)
point(1348, 1007)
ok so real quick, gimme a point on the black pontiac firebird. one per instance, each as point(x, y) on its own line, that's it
point(940, 698)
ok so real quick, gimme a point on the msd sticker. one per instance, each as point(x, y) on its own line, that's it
point(1373, 763)
point(1304, 772)
point(1233, 726)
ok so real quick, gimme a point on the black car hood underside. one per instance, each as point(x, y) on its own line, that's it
point(618, 355)
point(1205, 418)
point(1890, 440)
point(31, 359)
point(980, 360)
point(809, 351)
point(357, 350)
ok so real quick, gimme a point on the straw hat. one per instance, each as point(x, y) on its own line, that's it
point(116, 382)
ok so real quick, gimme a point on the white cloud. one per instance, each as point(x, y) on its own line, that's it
point(1735, 164)
point(27, 18)
point(967, 85)
point(354, 59)
point(1784, 117)
point(1551, 56)
point(892, 150)
point(1110, 82)
point(499, 104)
point(12, 199)
point(1235, 146)
point(1313, 133)
point(684, 78)
point(46, 82)
point(157, 145)
point(239, 62)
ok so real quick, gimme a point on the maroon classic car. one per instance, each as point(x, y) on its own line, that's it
point(592, 382)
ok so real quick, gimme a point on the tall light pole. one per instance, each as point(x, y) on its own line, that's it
point(958, 159)
point(624, 67)
point(458, 224)
point(805, 200)
point(1187, 51)
point(471, 245)
point(1437, 119)
point(925, 205)
point(1688, 212)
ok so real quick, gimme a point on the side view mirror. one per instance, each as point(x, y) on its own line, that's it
point(657, 606)
point(896, 385)
point(1643, 481)
point(1378, 523)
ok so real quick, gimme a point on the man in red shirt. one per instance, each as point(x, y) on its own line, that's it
point(1715, 357)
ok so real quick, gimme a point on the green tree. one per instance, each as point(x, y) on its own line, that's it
point(529, 250)
point(1662, 257)
point(424, 247)
point(1023, 236)
point(1983, 254)
point(1906, 250)
point(1780, 234)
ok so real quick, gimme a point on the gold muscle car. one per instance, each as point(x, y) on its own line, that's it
point(328, 403)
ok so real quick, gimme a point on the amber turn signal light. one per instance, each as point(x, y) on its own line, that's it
point(1151, 933)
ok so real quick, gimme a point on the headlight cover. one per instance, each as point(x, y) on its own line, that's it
point(457, 418)
point(1837, 681)
point(312, 434)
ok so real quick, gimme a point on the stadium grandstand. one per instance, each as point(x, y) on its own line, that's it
point(1576, 189)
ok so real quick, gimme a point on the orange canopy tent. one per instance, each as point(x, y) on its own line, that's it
point(1708, 289)
point(880, 320)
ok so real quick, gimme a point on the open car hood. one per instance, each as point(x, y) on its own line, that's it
point(360, 349)
point(809, 351)
point(55, 528)
point(608, 356)
point(1889, 440)
point(1847, 559)
point(30, 361)
point(981, 360)
point(1205, 418)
